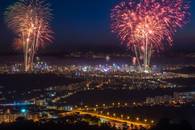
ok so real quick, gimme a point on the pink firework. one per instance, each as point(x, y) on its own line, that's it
point(144, 25)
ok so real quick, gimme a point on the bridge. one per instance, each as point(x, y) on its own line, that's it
point(114, 119)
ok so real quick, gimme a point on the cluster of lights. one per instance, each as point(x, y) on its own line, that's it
point(108, 68)
point(41, 66)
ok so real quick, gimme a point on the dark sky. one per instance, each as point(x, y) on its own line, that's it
point(85, 24)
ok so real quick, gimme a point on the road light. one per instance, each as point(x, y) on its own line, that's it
point(114, 114)
point(152, 122)
point(128, 118)
point(145, 120)
point(108, 113)
point(137, 118)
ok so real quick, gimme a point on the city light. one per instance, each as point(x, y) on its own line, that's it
point(23, 110)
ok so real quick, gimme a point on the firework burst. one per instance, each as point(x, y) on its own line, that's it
point(144, 25)
point(29, 19)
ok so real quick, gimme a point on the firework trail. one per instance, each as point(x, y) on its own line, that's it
point(144, 25)
point(29, 19)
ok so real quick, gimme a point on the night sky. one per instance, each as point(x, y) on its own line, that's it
point(85, 24)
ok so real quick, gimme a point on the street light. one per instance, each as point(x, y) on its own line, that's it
point(108, 113)
point(114, 114)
